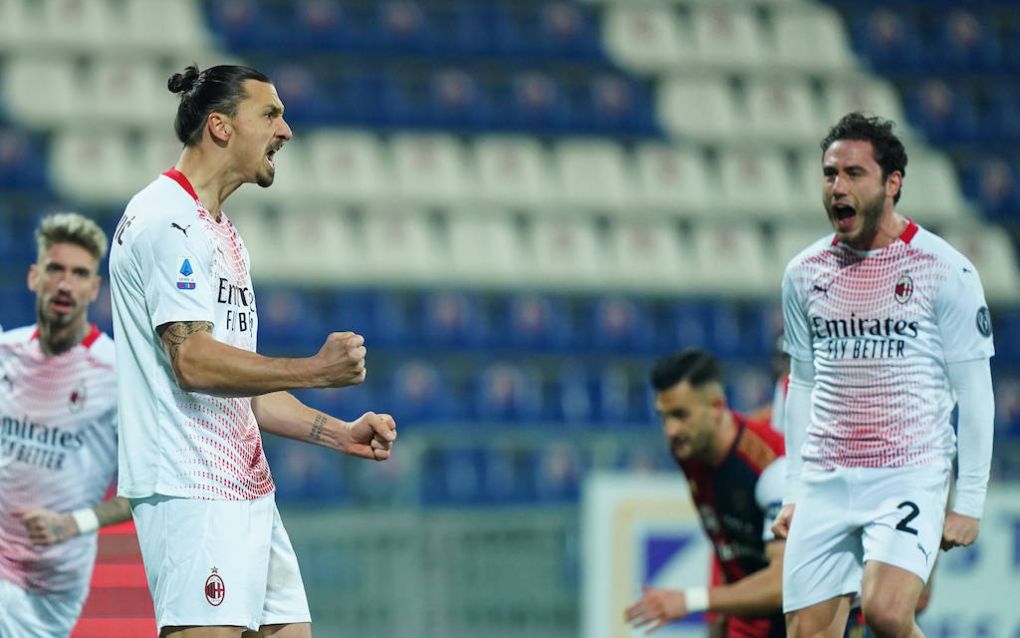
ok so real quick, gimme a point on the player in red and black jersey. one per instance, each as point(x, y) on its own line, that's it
point(735, 469)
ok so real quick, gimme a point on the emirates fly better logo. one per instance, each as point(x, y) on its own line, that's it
point(215, 589)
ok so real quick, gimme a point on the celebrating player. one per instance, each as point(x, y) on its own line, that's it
point(194, 394)
point(735, 468)
point(59, 437)
point(887, 328)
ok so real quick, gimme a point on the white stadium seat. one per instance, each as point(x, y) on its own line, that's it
point(931, 191)
point(430, 169)
point(125, 91)
point(485, 248)
point(671, 179)
point(869, 95)
point(593, 175)
point(155, 26)
point(322, 245)
point(991, 251)
point(565, 252)
point(646, 38)
point(728, 36)
point(782, 111)
point(79, 25)
point(97, 168)
point(811, 39)
point(699, 109)
point(402, 247)
point(39, 91)
point(512, 171)
point(349, 167)
point(731, 259)
point(649, 255)
point(755, 184)
point(18, 29)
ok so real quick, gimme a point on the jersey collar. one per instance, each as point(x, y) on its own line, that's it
point(89, 339)
point(179, 177)
point(907, 234)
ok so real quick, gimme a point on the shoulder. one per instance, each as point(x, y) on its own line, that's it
point(821, 246)
point(940, 249)
point(160, 204)
point(17, 336)
point(759, 445)
point(103, 350)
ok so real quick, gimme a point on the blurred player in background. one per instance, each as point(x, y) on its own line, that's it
point(58, 441)
point(887, 328)
point(735, 469)
point(194, 393)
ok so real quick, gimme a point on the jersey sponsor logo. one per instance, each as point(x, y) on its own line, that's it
point(904, 289)
point(864, 338)
point(32, 443)
point(186, 279)
point(215, 589)
point(77, 399)
point(984, 322)
point(241, 318)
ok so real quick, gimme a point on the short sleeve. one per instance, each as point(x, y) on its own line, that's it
point(177, 276)
point(796, 334)
point(768, 494)
point(963, 318)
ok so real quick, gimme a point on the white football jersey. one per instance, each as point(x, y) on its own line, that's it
point(172, 261)
point(58, 450)
point(881, 327)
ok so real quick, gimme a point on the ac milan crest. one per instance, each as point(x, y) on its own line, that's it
point(215, 589)
point(77, 399)
point(904, 289)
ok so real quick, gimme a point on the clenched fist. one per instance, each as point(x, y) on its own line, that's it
point(341, 360)
point(46, 527)
point(371, 436)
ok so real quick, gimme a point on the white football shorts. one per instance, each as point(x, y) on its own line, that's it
point(24, 614)
point(219, 563)
point(848, 516)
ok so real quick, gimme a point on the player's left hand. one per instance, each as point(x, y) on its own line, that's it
point(959, 530)
point(371, 436)
point(660, 606)
point(46, 527)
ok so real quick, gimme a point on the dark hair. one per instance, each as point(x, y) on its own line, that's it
point(888, 149)
point(217, 89)
point(693, 365)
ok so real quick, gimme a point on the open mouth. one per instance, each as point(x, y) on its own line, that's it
point(62, 305)
point(845, 215)
point(271, 157)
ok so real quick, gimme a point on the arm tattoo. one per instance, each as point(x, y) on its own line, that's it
point(175, 334)
point(318, 424)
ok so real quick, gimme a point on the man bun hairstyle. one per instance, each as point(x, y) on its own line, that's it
point(70, 228)
point(888, 149)
point(218, 89)
point(693, 365)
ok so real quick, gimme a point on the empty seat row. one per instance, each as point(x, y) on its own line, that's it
point(655, 37)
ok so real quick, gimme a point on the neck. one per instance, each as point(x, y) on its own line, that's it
point(211, 175)
point(55, 341)
point(890, 227)
point(725, 435)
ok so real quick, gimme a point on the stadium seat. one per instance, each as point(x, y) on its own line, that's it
point(806, 193)
point(966, 41)
point(536, 102)
point(535, 323)
point(994, 185)
point(621, 395)
point(931, 191)
point(702, 110)
point(18, 29)
point(402, 247)
point(243, 26)
point(430, 169)
point(39, 90)
point(485, 249)
point(305, 101)
point(506, 393)
point(731, 259)
point(645, 38)
point(811, 39)
point(1000, 120)
point(593, 175)
point(159, 151)
point(566, 30)
point(572, 400)
point(22, 162)
point(512, 171)
point(648, 255)
point(621, 325)
point(323, 26)
point(457, 100)
point(614, 105)
point(993, 254)
point(728, 37)
point(873, 96)
point(671, 179)
point(145, 26)
point(78, 25)
point(791, 238)
point(559, 469)
point(755, 184)
point(288, 323)
point(565, 253)
point(322, 245)
point(419, 394)
point(402, 26)
point(93, 167)
point(125, 92)
point(888, 40)
point(260, 230)
point(945, 113)
point(348, 166)
point(453, 320)
point(782, 111)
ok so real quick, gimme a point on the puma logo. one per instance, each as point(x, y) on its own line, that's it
point(926, 557)
point(183, 230)
point(817, 288)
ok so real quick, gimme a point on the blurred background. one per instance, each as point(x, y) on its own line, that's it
point(520, 204)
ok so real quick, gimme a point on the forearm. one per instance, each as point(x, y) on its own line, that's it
point(282, 414)
point(798, 417)
point(972, 383)
point(116, 510)
point(203, 364)
point(758, 594)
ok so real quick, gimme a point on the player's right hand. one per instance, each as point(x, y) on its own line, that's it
point(659, 606)
point(342, 360)
point(781, 526)
point(46, 527)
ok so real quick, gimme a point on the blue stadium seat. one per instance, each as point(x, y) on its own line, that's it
point(453, 476)
point(889, 40)
point(288, 322)
point(621, 325)
point(453, 319)
point(304, 100)
point(402, 26)
point(321, 26)
point(246, 25)
point(17, 303)
point(22, 162)
point(458, 100)
point(536, 102)
point(508, 475)
point(566, 30)
point(612, 104)
point(623, 396)
point(533, 322)
point(1000, 122)
point(945, 113)
point(559, 468)
point(994, 184)
point(507, 393)
point(421, 394)
point(305, 473)
point(572, 396)
point(965, 41)
point(687, 326)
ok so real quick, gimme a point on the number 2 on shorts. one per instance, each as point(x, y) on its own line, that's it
point(914, 511)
